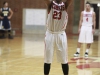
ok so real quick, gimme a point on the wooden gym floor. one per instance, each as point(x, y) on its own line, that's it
point(25, 55)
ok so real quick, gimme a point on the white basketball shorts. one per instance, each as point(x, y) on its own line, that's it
point(86, 35)
point(55, 42)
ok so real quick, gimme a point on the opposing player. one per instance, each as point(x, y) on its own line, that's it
point(86, 29)
point(55, 35)
point(5, 19)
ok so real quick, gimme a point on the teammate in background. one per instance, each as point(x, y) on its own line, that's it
point(86, 29)
point(5, 17)
point(55, 35)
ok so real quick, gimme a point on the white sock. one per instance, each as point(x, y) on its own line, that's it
point(78, 50)
point(87, 50)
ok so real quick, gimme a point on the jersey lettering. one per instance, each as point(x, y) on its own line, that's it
point(57, 15)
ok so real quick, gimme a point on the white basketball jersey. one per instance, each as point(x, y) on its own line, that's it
point(57, 17)
point(87, 18)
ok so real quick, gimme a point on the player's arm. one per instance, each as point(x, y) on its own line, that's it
point(11, 13)
point(80, 22)
point(47, 2)
point(0, 14)
point(94, 22)
point(67, 3)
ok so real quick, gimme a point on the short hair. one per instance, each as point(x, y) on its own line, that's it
point(4, 2)
point(88, 3)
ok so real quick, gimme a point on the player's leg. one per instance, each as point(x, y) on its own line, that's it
point(65, 69)
point(48, 53)
point(2, 34)
point(89, 40)
point(61, 51)
point(87, 49)
point(46, 68)
point(78, 49)
point(2, 31)
point(80, 41)
point(10, 36)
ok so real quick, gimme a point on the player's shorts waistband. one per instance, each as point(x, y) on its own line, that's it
point(55, 32)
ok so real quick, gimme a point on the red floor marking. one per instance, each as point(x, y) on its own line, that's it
point(85, 65)
point(91, 65)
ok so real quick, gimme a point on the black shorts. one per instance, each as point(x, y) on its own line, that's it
point(6, 23)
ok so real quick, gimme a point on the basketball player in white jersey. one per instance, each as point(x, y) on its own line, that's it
point(55, 39)
point(86, 29)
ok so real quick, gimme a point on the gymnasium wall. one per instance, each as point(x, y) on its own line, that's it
point(18, 6)
point(78, 7)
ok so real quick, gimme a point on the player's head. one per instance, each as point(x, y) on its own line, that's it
point(88, 6)
point(5, 3)
point(58, 1)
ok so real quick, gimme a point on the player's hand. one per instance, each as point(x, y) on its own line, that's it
point(1, 17)
point(9, 17)
point(93, 31)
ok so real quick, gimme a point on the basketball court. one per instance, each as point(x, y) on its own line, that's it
point(24, 55)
